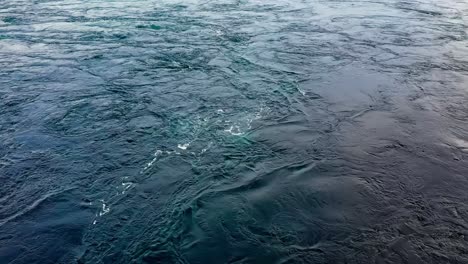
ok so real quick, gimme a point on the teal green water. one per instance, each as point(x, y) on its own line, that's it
point(146, 131)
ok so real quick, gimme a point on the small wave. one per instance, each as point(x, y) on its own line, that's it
point(32, 206)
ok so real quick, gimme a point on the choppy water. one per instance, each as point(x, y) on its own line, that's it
point(245, 131)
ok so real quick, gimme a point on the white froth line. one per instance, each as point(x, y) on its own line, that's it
point(105, 209)
point(230, 130)
point(183, 146)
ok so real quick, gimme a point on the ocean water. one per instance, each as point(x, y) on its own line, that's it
point(233, 131)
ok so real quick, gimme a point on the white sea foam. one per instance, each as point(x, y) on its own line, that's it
point(241, 126)
point(183, 146)
point(234, 130)
point(156, 156)
point(207, 147)
point(105, 209)
point(126, 186)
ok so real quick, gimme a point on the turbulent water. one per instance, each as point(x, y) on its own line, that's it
point(233, 131)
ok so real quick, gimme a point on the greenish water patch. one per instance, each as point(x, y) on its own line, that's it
point(152, 26)
point(10, 19)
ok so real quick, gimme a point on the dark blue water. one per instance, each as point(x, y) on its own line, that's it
point(185, 131)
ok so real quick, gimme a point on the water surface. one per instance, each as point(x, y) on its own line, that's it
point(246, 131)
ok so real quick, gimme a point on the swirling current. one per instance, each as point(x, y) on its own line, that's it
point(233, 131)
